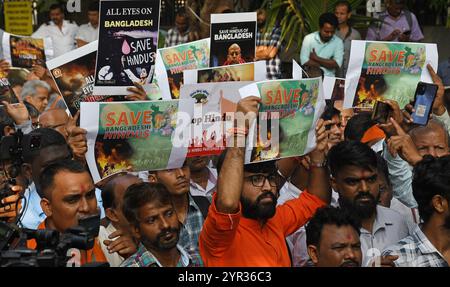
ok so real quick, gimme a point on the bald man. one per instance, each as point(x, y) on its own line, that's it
point(431, 139)
point(234, 56)
point(117, 233)
point(56, 119)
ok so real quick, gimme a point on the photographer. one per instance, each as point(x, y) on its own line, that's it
point(68, 196)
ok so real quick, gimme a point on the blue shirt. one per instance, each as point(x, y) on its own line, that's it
point(333, 49)
point(33, 215)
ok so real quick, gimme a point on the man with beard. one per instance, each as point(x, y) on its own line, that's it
point(332, 237)
point(190, 210)
point(68, 197)
point(335, 131)
point(353, 167)
point(244, 227)
point(148, 208)
point(323, 48)
point(429, 245)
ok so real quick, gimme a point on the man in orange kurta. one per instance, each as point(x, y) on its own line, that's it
point(244, 228)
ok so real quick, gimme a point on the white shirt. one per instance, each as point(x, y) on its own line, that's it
point(197, 190)
point(63, 40)
point(114, 259)
point(389, 228)
point(87, 33)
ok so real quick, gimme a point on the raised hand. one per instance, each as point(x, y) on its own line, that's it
point(403, 145)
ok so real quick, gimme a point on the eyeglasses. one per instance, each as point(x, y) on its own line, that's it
point(258, 180)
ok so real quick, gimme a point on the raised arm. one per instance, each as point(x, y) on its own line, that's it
point(229, 186)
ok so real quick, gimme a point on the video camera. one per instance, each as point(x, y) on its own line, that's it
point(53, 248)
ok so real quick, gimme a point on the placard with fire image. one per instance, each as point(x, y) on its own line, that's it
point(212, 103)
point(387, 70)
point(74, 74)
point(172, 61)
point(253, 72)
point(128, 40)
point(135, 136)
point(25, 52)
point(291, 109)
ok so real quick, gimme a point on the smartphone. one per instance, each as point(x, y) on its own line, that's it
point(381, 112)
point(423, 102)
point(407, 33)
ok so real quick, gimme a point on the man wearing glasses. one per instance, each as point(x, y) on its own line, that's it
point(244, 227)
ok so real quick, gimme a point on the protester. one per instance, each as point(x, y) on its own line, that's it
point(190, 210)
point(354, 171)
point(332, 236)
point(397, 24)
point(116, 238)
point(203, 177)
point(68, 197)
point(323, 48)
point(56, 119)
point(180, 33)
point(88, 33)
point(36, 93)
point(61, 31)
point(149, 209)
point(243, 217)
point(343, 11)
point(429, 245)
point(268, 46)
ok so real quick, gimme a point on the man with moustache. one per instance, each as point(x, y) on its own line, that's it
point(268, 44)
point(190, 210)
point(149, 209)
point(429, 244)
point(244, 227)
point(61, 31)
point(332, 236)
point(323, 48)
point(354, 172)
point(115, 239)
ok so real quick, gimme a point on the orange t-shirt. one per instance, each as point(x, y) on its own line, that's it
point(89, 256)
point(230, 240)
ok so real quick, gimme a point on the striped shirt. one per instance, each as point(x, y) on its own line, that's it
point(416, 251)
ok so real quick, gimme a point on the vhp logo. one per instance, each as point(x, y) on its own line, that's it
point(74, 6)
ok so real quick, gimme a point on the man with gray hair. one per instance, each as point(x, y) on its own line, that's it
point(36, 92)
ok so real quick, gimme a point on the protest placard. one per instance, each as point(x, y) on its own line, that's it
point(74, 74)
point(334, 88)
point(213, 102)
point(6, 92)
point(292, 109)
point(135, 136)
point(172, 61)
point(128, 40)
point(233, 38)
point(234, 73)
point(25, 52)
point(387, 70)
